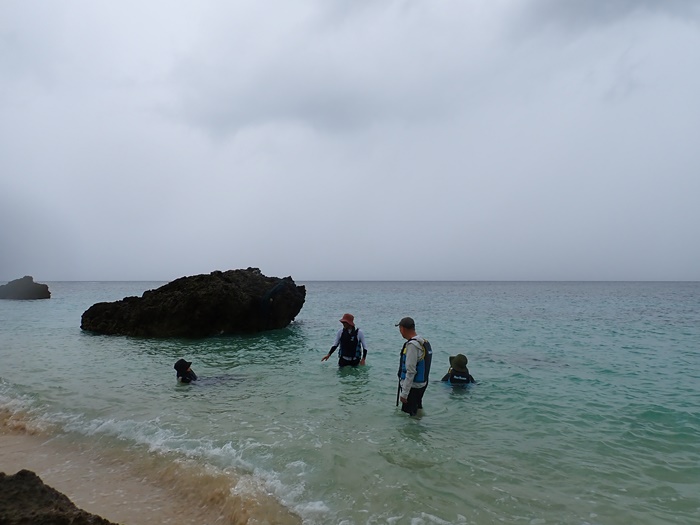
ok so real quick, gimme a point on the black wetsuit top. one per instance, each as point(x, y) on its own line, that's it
point(455, 377)
point(187, 376)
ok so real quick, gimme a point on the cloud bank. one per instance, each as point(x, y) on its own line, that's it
point(350, 140)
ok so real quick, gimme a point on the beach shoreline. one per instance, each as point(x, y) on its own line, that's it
point(105, 490)
point(127, 484)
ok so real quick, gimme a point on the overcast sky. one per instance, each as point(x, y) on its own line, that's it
point(350, 140)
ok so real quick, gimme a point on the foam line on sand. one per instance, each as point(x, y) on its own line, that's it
point(109, 491)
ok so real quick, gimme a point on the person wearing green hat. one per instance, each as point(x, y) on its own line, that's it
point(458, 374)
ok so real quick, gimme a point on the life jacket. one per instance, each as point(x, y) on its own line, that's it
point(425, 358)
point(350, 347)
point(460, 378)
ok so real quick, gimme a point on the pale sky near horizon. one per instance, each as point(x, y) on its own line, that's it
point(350, 140)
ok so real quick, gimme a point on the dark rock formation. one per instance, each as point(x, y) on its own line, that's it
point(235, 301)
point(24, 288)
point(25, 500)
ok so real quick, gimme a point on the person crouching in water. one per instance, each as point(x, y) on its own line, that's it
point(414, 367)
point(352, 343)
point(184, 373)
point(458, 374)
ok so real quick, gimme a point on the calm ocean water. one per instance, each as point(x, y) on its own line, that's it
point(586, 410)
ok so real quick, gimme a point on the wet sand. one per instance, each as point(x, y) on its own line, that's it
point(131, 488)
point(109, 491)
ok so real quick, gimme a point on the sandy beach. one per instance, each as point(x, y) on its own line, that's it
point(106, 490)
point(126, 487)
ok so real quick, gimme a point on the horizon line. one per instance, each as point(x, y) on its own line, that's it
point(395, 280)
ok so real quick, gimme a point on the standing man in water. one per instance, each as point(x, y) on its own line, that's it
point(414, 367)
point(353, 350)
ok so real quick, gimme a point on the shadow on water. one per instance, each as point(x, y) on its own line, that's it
point(459, 391)
point(356, 375)
point(410, 450)
point(217, 380)
point(414, 432)
point(353, 383)
point(218, 351)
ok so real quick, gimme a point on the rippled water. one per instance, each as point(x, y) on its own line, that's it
point(586, 410)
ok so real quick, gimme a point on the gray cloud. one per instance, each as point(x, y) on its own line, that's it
point(582, 15)
point(332, 69)
point(150, 142)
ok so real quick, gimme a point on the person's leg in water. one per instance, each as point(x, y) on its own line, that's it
point(345, 362)
point(419, 403)
point(420, 400)
point(411, 404)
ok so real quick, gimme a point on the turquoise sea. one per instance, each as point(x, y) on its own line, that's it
point(586, 408)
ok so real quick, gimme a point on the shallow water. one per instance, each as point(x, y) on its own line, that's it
point(587, 407)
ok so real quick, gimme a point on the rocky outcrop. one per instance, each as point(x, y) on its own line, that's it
point(25, 499)
point(24, 288)
point(230, 302)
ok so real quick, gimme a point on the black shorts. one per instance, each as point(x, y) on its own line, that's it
point(414, 401)
point(348, 362)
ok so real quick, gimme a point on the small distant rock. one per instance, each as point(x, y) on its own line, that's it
point(25, 499)
point(220, 303)
point(24, 288)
